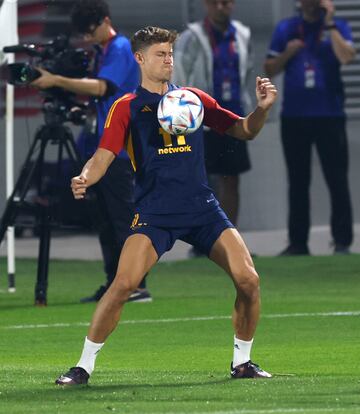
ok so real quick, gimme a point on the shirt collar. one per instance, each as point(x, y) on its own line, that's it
point(141, 90)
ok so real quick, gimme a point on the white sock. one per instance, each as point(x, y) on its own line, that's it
point(242, 351)
point(88, 356)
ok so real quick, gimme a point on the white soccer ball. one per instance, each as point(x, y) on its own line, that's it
point(180, 112)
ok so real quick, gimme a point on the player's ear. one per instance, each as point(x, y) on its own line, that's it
point(139, 57)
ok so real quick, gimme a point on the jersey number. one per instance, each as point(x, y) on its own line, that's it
point(167, 138)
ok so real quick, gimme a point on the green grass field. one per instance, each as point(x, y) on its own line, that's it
point(173, 355)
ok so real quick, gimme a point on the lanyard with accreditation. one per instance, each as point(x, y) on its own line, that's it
point(309, 65)
point(226, 65)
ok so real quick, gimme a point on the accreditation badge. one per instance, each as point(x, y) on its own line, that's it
point(309, 75)
point(226, 90)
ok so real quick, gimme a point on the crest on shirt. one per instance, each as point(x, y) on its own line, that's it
point(136, 223)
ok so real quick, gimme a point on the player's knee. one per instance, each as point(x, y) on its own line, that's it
point(247, 282)
point(122, 288)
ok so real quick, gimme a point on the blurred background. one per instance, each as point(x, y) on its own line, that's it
point(263, 204)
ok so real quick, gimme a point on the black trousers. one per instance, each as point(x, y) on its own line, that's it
point(116, 190)
point(330, 140)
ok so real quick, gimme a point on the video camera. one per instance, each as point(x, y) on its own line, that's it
point(57, 57)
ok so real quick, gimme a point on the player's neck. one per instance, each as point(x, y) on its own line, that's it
point(155, 87)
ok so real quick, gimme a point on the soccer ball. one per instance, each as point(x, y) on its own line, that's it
point(180, 112)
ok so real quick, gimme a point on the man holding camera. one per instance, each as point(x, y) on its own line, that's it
point(310, 48)
point(115, 73)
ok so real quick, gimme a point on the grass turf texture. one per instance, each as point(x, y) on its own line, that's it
point(183, 366)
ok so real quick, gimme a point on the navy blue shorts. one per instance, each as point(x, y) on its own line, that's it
point(201, 237)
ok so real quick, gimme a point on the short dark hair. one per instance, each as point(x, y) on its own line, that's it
point(150, 35)
point(86, 13)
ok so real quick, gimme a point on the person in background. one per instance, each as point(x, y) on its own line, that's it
point(310, 49)
point(115, 73)
point(214, 55)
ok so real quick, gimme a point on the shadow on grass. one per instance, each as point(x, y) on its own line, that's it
point(130, 392)
point(10, 306)
point(216, 391)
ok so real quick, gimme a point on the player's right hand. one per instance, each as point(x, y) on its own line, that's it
point(78, 187)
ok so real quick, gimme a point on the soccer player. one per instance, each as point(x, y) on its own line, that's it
point(173, 200)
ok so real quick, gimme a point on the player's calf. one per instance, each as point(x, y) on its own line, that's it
point(246, 280)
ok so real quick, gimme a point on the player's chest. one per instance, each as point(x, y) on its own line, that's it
point(148, 134)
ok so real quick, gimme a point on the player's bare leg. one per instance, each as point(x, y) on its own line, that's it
point(230, 253)
point(137, 257)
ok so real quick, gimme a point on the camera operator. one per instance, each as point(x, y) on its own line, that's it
point(115, 73)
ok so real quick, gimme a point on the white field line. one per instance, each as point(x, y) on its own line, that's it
point(190, 319)
point(276, 411)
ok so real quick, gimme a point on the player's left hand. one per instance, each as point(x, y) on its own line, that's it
point(45, 81)
point(266, 92)
point(329, 8)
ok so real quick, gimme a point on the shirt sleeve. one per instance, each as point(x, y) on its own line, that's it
point(344, 30)
point(117, 125)
point(278, 41)
point(215, 116)
point(118, 64)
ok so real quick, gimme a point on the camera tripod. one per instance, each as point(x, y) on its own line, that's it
point(45, 205)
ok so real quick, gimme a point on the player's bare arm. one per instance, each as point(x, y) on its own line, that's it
point(93, 170)
point(247, 128)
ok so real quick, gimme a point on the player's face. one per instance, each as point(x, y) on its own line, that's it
point(219, 11)
point(156, 62)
